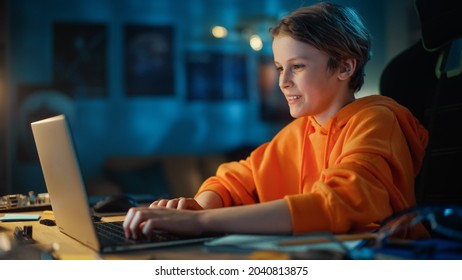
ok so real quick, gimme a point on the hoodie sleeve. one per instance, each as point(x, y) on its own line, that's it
point(270, 172)
point(234, 182)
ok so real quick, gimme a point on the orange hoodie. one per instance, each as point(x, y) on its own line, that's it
point(342, 176)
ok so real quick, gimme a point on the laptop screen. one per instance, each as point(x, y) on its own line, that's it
point(63, 179)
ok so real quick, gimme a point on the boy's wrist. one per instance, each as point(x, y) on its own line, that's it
point(204, 221)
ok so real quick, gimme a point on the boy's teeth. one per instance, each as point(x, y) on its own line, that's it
point(294, 97)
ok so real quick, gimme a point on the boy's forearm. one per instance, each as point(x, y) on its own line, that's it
point(262, 218)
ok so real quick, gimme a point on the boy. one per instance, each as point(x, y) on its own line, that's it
point(342, 165)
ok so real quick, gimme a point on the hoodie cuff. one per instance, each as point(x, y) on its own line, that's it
point(308, 213)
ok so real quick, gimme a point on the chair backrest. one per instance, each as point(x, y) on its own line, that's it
point(440, 180)
point(427, 78)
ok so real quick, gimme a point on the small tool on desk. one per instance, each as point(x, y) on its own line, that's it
point(24, 235)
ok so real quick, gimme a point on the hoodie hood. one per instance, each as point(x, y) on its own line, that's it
point(415, 133)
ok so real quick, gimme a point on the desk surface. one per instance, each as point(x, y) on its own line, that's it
point(47, 237)
point(69, 248)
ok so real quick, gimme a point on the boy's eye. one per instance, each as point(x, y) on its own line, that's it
point(294, 67)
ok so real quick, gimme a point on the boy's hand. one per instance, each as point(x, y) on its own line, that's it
point(178, 203)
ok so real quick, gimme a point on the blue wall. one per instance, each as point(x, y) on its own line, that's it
point(121, 125)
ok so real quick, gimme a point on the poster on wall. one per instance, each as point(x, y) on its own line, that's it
point(216, 76)
point(149, 60)
point(273, 105)
point(79, 58)
point(36, 102)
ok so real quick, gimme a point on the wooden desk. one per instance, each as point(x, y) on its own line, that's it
point(71, 249)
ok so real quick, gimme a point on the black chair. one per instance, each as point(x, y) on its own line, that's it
point(427, 78)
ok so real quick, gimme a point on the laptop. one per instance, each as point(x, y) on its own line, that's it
point(69, 199)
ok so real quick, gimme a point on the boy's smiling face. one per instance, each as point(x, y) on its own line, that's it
point(308, 85)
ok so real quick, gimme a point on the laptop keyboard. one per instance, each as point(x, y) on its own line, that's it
point(114, 232)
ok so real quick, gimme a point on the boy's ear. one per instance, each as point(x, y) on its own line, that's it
point(347, 69)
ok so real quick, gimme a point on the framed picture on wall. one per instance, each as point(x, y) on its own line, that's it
point(79, 58)
point(216, 76)
point(149, 60)
point(273, 105)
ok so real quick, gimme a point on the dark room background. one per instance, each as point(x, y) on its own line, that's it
point(141, 79)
